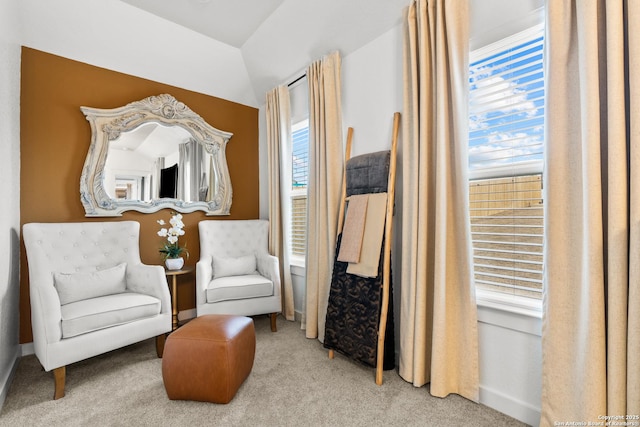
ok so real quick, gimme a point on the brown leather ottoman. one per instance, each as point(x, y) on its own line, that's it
point(209, 358)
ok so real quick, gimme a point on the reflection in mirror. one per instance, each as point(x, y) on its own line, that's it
point(153, 154)
point(155, 161)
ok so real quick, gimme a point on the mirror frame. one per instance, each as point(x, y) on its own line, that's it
point(108, 124)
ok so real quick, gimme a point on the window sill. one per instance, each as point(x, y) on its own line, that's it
point(297, 265)
point(513, 304)
point(516, 313)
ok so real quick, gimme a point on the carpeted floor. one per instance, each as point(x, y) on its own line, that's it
point(293, 383)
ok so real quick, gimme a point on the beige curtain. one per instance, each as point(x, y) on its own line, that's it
point(591, 327)
point(279, 152)
point(438, 314)
point(326, 162)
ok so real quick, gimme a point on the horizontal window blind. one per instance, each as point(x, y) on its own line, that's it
point(299, 224)
point(299, 179)
point(507, 231)
point(300, 155)
point(506, 146)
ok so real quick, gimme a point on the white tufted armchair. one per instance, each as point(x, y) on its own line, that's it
point(90, 293)
point(235, 273)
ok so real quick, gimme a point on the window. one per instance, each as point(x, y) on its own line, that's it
point(299, 177)
point(506, 143)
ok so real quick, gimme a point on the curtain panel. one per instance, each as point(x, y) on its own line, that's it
point(591, 330)
point(279, 154)
point(438, 313)
point(326, 164)
point(190, 170)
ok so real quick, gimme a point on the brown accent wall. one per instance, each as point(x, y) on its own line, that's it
point(55, 137)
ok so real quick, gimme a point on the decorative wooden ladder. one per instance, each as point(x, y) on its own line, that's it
point(388, 238)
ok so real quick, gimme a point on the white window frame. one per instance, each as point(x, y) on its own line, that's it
point(494, 299)
point(297, 259)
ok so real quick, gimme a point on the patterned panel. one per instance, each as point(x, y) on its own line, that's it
point(353, 316)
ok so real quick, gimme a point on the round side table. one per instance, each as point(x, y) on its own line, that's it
point(173, 274)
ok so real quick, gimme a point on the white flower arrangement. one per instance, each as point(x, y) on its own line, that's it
point(172, 249)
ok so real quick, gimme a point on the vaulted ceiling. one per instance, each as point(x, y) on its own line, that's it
point(231, 22)
point(233, 49)
point(279, 38)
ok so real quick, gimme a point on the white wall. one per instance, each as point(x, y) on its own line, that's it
point(115, 35)
point(9, 194)
point(301, 31)
point(492, 20)
point(372, 92)
point(511, 361)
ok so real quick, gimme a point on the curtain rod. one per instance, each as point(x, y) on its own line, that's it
point(297, 79)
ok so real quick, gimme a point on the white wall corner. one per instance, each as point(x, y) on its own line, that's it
point(27, 349)
point(8, 376)
point(9, 192)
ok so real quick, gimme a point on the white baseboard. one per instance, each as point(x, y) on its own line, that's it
point(8, 378)
point(515, 408)
point(27, 349)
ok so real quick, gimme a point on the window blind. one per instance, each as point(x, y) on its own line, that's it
point(300, 155)
point(299, 178)
point(299, 224)
point(506, 146)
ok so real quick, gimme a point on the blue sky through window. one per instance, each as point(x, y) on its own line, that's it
point(300, 159)
point(506, 104)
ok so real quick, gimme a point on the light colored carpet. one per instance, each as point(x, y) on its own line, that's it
point(293, 383)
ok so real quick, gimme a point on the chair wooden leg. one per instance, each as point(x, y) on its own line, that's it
point(59, 376)
point(274, 326)
point(160, 340)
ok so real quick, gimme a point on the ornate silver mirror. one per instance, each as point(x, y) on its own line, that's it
point(154, 154)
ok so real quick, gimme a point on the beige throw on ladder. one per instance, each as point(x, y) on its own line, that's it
point(353, 231)
point(372, 238)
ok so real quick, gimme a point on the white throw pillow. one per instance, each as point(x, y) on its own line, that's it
point(74, 287)
point(230, 266)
